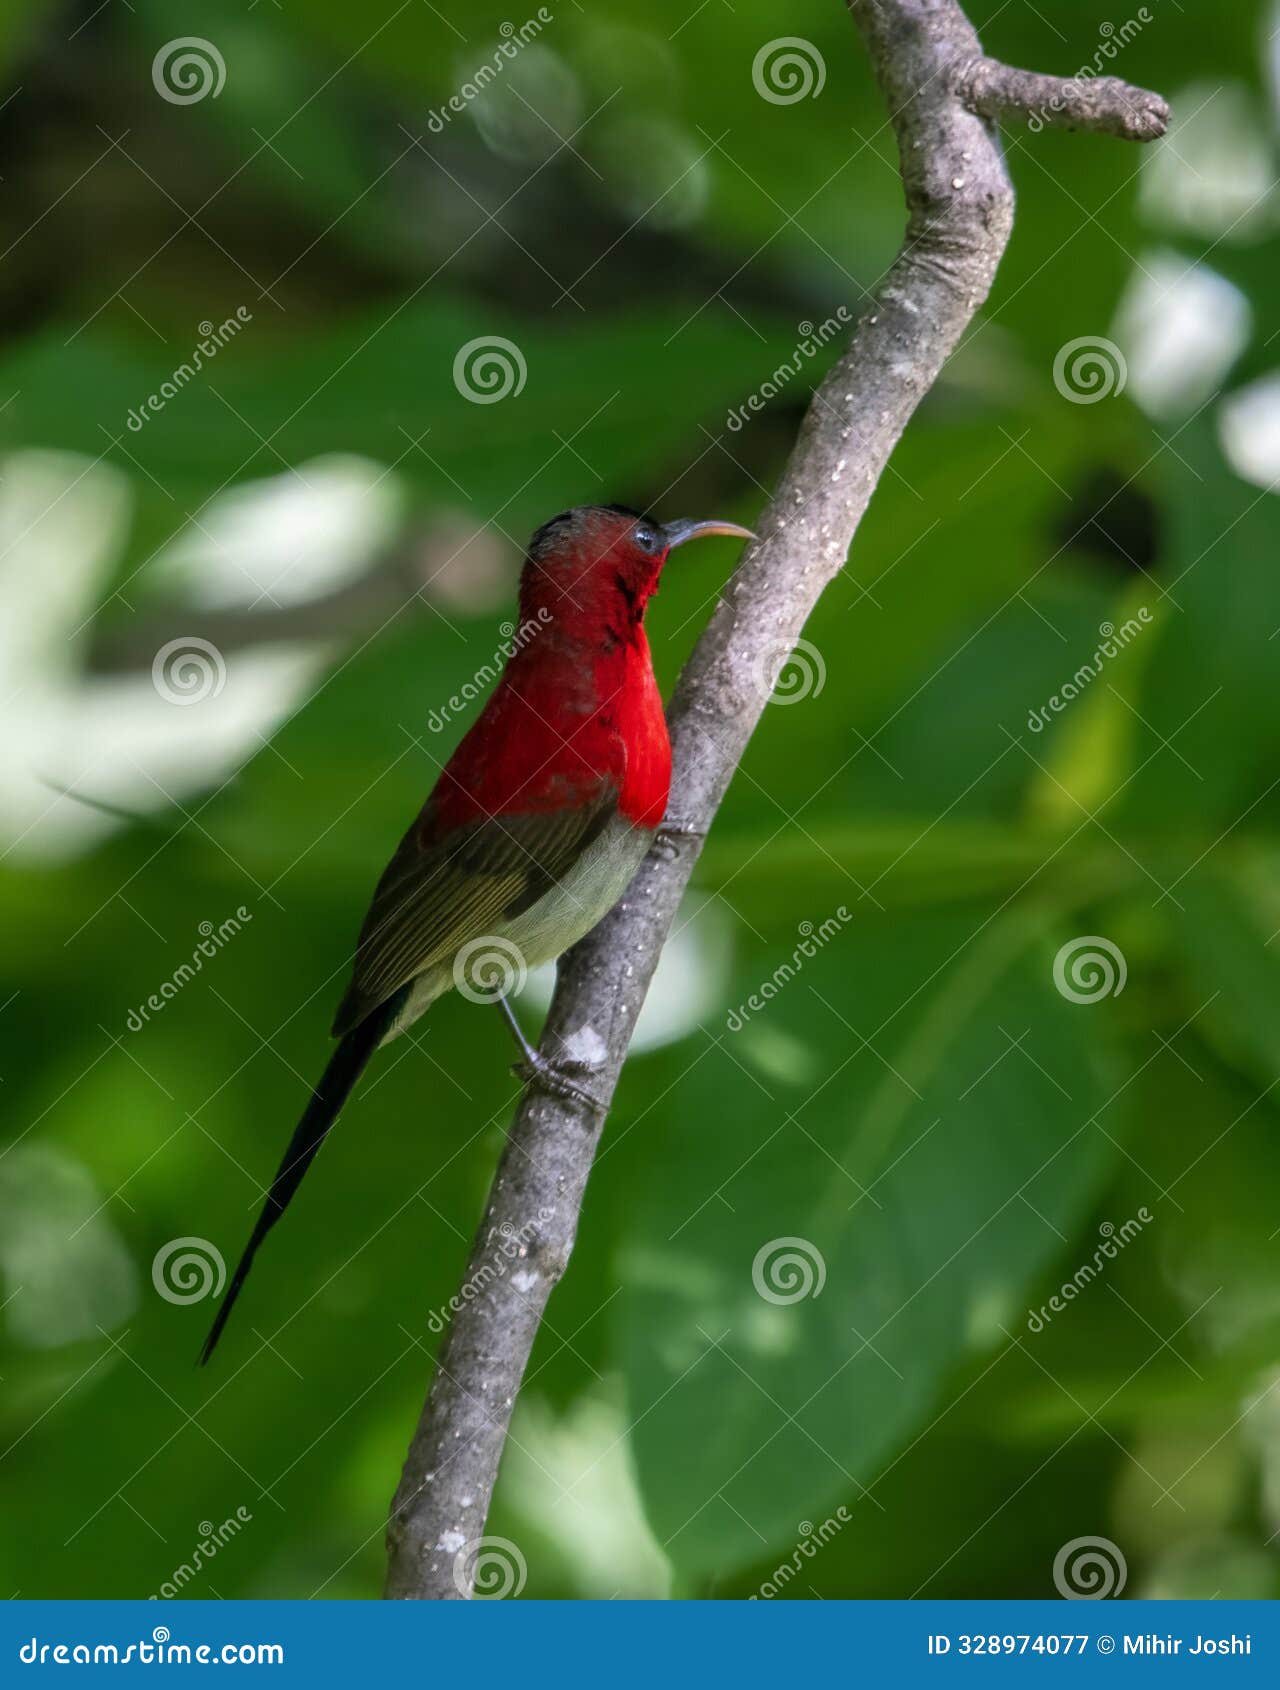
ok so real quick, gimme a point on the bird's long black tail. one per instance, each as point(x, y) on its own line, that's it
point(336, 1083)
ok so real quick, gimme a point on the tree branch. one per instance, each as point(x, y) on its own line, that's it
point(933, 75)
point(1101, 103)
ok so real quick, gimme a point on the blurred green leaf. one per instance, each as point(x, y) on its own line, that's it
point(917, 1187)
point(1209, 733)
point(592, 408)
point(1224, 925)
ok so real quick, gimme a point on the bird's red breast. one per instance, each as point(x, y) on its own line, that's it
point(577, 711)
point(646, 782)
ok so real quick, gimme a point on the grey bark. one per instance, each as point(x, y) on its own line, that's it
point(937, 85)
point(1101, 103)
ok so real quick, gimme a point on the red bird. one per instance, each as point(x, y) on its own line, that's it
point(538, 822)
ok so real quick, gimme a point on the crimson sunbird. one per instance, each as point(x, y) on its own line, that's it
point(538, 821)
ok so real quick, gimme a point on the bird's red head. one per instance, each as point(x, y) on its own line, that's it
point(597, 567)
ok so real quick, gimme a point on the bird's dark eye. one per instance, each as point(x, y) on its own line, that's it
point(647, 538)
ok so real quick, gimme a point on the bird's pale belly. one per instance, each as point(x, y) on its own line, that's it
point(558, 920)
point(589, 891)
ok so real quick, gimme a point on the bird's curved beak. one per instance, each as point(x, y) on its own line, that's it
point(678, 532)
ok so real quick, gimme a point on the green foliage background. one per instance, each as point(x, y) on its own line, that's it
point(951, 1133)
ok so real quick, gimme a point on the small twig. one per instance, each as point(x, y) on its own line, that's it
point(1101, 103)
point(960, 206)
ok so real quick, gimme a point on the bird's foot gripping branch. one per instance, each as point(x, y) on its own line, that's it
point(944, 96)
point(565, 1079)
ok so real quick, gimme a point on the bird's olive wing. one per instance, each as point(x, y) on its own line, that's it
point(433, 898)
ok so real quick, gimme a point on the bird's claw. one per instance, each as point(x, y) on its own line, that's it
point(554, 1078)
point(670, 832)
